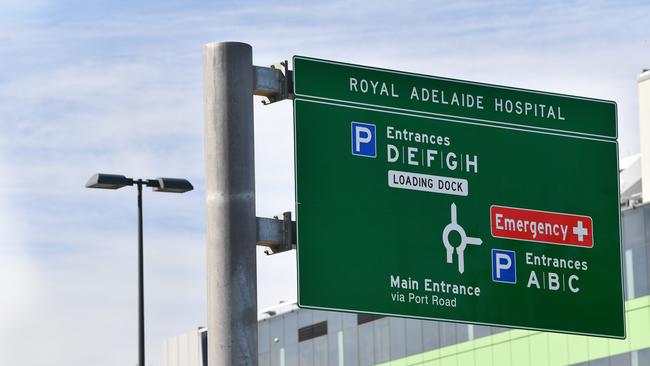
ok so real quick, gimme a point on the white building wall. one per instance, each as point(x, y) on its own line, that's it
point(644, 122)
point(184, 350)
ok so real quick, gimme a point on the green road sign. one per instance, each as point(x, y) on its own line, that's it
point(433, 198)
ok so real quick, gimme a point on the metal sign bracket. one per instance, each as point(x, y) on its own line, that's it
point(277, 234)
point(274, 83)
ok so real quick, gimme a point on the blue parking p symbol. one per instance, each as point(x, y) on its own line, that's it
point(504, 268)
point(364, 142)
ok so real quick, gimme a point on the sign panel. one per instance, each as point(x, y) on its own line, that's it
point(440, 199)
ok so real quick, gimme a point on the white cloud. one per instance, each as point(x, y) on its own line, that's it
point(122, 93)
point(18, 271)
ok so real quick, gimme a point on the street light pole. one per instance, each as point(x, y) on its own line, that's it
point(114, 181)
point(140, 279)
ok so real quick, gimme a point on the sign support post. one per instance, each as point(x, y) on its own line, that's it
point(230, 203)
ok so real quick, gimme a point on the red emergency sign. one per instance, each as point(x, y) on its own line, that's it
point(541, 226)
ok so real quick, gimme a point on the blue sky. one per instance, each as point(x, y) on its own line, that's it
point(90, 86)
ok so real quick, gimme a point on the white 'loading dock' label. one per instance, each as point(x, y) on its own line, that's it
point(427, 183)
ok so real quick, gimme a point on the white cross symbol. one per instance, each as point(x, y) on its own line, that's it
point(580, 231)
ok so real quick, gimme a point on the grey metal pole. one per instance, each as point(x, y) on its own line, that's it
point(230, 203)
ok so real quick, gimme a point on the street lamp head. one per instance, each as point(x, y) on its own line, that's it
point(108, 181)
point(115, 181)
point(174, 185)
